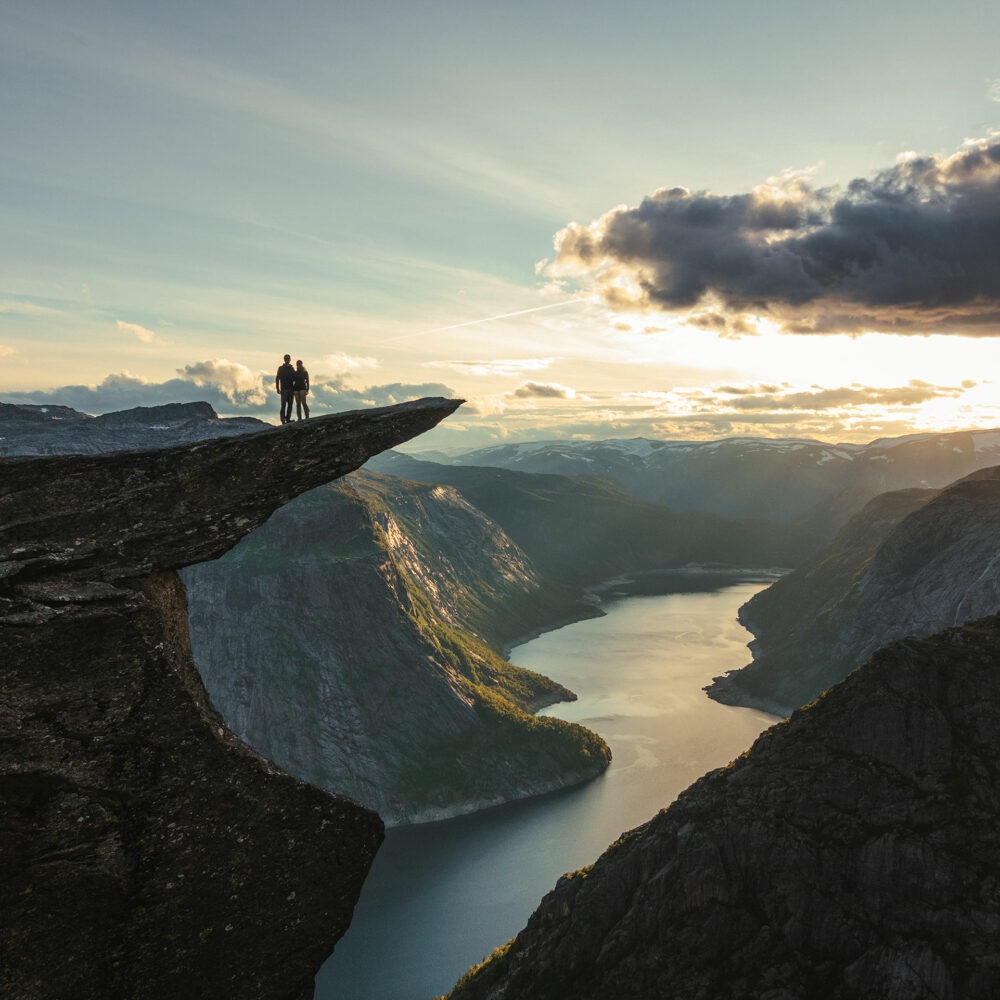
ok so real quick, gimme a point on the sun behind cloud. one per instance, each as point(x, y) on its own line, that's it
point(914, 249)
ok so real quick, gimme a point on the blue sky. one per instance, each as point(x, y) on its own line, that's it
point(189, 190)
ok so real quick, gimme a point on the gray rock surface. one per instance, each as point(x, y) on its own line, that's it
point(851, 854)
point(146, 851)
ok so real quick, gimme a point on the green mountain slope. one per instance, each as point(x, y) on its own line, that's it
point(352, 640)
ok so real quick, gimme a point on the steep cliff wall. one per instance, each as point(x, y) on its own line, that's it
point(349, 639)
point(851, 854)
point(146, 851)
point(911, 563)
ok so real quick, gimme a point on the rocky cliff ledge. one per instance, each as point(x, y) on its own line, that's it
point(146, 851)
point(851, 854)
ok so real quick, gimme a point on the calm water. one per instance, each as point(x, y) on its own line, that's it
point(442, 896)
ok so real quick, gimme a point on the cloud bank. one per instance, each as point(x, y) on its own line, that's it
point(231, 388)
point(914, 249)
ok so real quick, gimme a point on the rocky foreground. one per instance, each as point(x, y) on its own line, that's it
point(851, 854)
point(146, 851)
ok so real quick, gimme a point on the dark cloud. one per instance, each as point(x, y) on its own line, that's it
point(723, 325)
point(541, 390)
point(231, 389)
point(914, 249)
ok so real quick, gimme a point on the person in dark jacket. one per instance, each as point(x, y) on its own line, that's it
point(284, 384)
point(301, 384)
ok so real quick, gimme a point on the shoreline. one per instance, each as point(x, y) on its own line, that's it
point(715, 578)
point(593, 594)
point(726, 691)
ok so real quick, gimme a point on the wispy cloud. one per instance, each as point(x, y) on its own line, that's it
point(776, 399)
point(915, 249)
point(342, 363)
point(142, 333)
point(854, 412)
point(23, 307)
point(435, 153)
point(496, 367)
point(493, 319)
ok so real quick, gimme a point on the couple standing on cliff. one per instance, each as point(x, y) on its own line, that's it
point(292, 384)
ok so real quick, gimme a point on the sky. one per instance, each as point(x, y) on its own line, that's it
point(669, 219)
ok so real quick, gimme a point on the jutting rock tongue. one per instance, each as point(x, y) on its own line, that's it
point(146, 851)
point(126, 514)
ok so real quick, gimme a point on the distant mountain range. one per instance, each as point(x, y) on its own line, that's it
point(581, 530)
point(776, 479)
point(61, 430)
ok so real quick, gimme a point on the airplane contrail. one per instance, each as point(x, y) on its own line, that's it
point(485, 319)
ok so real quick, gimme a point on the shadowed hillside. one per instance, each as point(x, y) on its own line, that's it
point(910, 563)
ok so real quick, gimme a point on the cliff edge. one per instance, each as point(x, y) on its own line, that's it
point(146, 851)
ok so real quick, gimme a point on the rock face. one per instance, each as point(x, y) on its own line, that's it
point(352, 640)
point(911, 563)
point(146, 851)
point(851, 854)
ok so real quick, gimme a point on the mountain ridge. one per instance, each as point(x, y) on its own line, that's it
point(61, 430)
point(391, 601)
point(911, 563)
point(780, 479)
